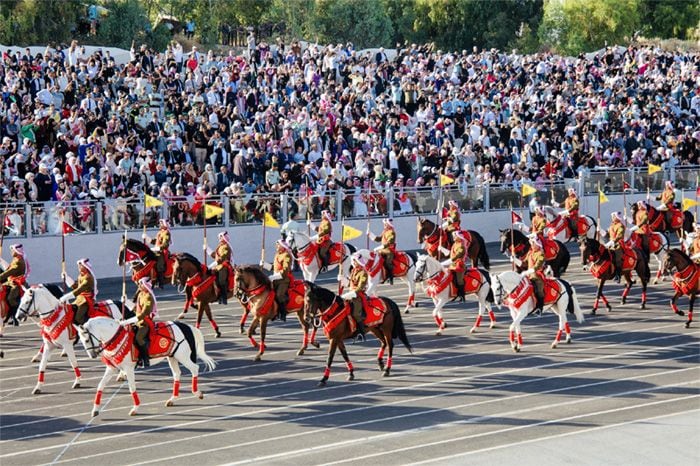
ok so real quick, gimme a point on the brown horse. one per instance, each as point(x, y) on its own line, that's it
point(432, 236)
point(603, 268)
point(295, 305)
point(200, 287)
point(323, 307)
point(145, 264)
point(254, 290)
point(672, 221)
point(686, 281)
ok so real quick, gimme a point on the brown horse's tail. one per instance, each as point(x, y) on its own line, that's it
point(483, 255)
point(399, 331)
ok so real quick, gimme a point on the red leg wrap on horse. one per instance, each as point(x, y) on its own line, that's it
point(644, 296)
point(438, 321)
point(195, 380)
point(327, 372)
point(380, 353)
point(213, 324)
point(313, 335)
point(674, 308)
point(262, 347)
point(197, 325)
point(41, 349)
point(41, 376)
point(176, 388)
point(77, 371)
point(558, 337)
point(625, 292)
point(567, 328)
point(520, 338)
point(350, 366)
point(478, 321)
point(98, 397)
point(492, 316)
point(253, 342)
point(305, 340)
point(388, 362)
point(412, 300)
point(690, 316)
point(511, 336)
point(135, 396)
point(244, 317)
point(605, 300)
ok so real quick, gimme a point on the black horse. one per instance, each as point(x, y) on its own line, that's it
point(559, 263)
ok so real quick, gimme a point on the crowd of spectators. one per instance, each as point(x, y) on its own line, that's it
point(187, 125)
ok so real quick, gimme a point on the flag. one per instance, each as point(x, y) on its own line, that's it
point(269, 221)
point(350, 233)
point(69, 229)
point(152, 202)
point(131, 256)
point(688, 203)
point(602, 197)
point(626, 186)
point(445, 180)
point(527, 190)
point(212, 211)
point(515, 218)
point(654, 168)
point(697, 192)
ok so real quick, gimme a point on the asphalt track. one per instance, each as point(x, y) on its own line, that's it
point(626, 390)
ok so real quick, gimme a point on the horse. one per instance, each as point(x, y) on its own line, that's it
point(670, 221)
point(56, 322)
point(658, 247)
point(433, 237)
point(177, 342)
point(686, 280)
point(144, 265)
point(556, 256)
point(603, 268)
point(517, 292)
point(441, 288)
point(558, 228)
point(254, 290)
point(5, 314)
point(404, 269)
point(323, 307)
point(306, 252)
point(200, 287)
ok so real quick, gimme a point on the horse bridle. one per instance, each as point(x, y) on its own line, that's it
point(420, 273)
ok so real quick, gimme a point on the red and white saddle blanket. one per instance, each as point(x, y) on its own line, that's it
point(401, 264)
point(161, 343)
point(473, 281)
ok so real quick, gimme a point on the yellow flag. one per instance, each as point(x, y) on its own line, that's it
point(269, 221)
point(212, 211)
point(654, 168)
point(602, 197)
point(527, 190)
point(445, 180)
point(688, 203)
point(152, 202)
point(350, 233)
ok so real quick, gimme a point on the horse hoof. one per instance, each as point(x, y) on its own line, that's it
point(64, 354)
point(36, 358)
point(36, 391)
point(258, 357)
point(322, 383)
point(438, 333)
point(681, 313)
point(169, 403)
point(133, 412)
point(95, 413)
point(217, 335)
point(609, 308)
point(517, 349)
point(444, 325)
point(554, 345)
point(386, 373)
point(181, 316)
point(76, 384)
point(472, 330)
point(300, 352)
point(351, 376)
point(407, 311)
point(242, 331)
point(593, 311)
point(200, 395)
point(623, 301)
point(568, 340)
point(687, 325)
point(316, 344)
point(643, 306)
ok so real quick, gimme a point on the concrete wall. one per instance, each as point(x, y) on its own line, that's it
point(44, 253)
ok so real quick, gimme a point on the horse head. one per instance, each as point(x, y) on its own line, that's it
point(96, 331)
point(590, 250)
point(503, 284)
point(675, 259)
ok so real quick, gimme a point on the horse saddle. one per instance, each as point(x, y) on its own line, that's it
point(629, 258)
point(400, 262)
point(552, 291)
point(295, 292)
point(674, 217)
point(161, 340)
point(375, 309)
point(551, 249)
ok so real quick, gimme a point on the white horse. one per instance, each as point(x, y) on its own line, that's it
point(557, 225)
point(431, 272)
point(57, 329)
point(106, 337)
point(307, 255)
point(405, 273)
point(517, 293)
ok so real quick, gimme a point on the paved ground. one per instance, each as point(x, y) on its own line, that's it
point(626, 390)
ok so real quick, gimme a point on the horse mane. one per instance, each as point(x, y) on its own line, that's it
point(137, 246)
point(518, 235)
point(322, 294)
point(54, 289)
point(257, 273)
point(188, 257)
point(680, 253)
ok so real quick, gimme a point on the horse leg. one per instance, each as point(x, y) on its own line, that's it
point(200, 313)
point(480, 315)
point(561, 313)
point(598, 294)
point(312, 340)
point(389, 342)
point(305, 338)
point(411, 292)
point(207, 310)
point(175, 369)
point(644, 293)
point(73, 363)
point(131, 379)
point(511, 329)
point(100, 387)
point(37, 356)
point(329, 360)
point(674, 306)
point(263, 331)
point(628, 286)
point(691, 302)
point(437, 315)
point(251, 329)
point(348, 363)
point(244, 317)
point(42, 366)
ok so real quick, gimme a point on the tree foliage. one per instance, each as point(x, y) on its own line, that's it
point(30, 22)
point(671, 18)
point(365, 23)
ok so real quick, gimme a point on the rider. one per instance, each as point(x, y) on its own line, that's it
point(83, 291)
point(616, 235)
point(323, 237)
point(161, 248)
point(535, 271)
point(146, 311)
point(641, 225)
point(571, 205)
point(452, 222)
point(388, 247)
point(695, 248)
point(667, 197)
point(15, 276)
point(457, 262)
point(359, 279)
point(282, 276)
point(539, 222)
point(223, 256)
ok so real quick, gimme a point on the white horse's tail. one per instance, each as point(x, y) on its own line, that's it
point(572, 306)
point(199, 341)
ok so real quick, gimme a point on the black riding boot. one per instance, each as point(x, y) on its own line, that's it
point(539, 303)
point(223, 288)
point(389, 274)
point(144, 360)
point(282, 312)
point(161, 279)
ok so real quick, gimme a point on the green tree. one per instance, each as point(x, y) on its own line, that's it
point(365, 23)
point(668, 19)
point(37, 22)
point(126, 22)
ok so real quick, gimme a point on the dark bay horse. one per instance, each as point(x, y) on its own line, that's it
point(200, 287)
point(254, 290)
point(433, 236)
point(325, 308)
point(556, 255)
point(663, 221)
point(145, 265)
point(602, 267)
point(686, 280)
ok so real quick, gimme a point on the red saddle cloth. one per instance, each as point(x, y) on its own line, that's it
point(57, 322)
point(375, 310)
point(296, 296)
point(401, 264)
point(552, 291)
point(551, 249)
point(161, 340)
point(685, 282)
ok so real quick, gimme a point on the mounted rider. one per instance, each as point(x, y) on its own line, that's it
point(84, 291)
point(146, 311)
point(15, 276)
point(457, 262)
point(571, 206)
point(282, 275)
point(453, 219)
point(667, 197)
point(539, 223)
point(616, 238)
point(324, 231)
point(161, 249)
point(223, 266)
point(388, 247)
point(695, 248)
point(641, 226)
point(359, 279)
point(535, 271)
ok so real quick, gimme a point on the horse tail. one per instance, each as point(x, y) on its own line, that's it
point(206, 359)
point(572, 305)
point(565, 259)
point(352, 248)
point(487, 279)
point(688, 221)
point(483, 255)
point(413, 256)
point(399, 331)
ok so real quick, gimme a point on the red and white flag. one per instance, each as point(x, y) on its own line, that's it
point(131, 256)
point(69, 229)
point(515, 218)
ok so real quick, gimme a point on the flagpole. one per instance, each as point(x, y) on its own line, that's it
point(624, 198)
point(682, 214)
point(697, 187)
point(441, 206)
point(512, 238)
point(342, 252)
point(204, 216)
point(369, 190)
point(308, 210)
point(63, 247)
point(124, 279)
point(262, 253)
point(144, 211)
point(597, 233)
point(2, 233)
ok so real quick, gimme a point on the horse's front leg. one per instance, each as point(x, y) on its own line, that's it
point(628, 286)
point(131, 379)
point(244, 317)
point(348, 363)
point(561, 313)
point(48, 347)
point(389, 343)
point(674, 306)
point(263, 331)
point(70, 351)
point(177, 373)
point(437, 315)
point(210, 317)
point(598, 294)
point(251, 331)
point(329, 361)
point(411, 291)
point(645, 283)
point(305, 332)
point(37, 356)
point(690, 311)
point(100, 387)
